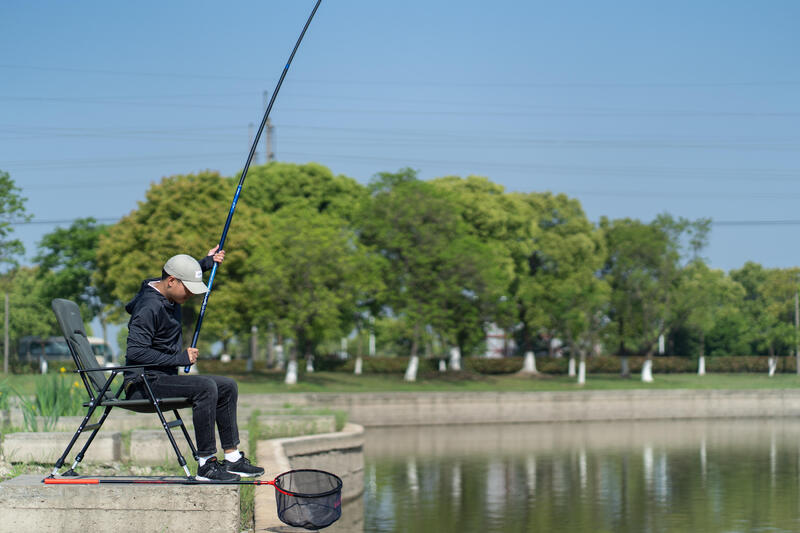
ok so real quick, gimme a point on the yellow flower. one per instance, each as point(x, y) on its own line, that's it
point(63, 369)
point(76, 385)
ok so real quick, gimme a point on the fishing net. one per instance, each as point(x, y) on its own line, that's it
point(311, 499)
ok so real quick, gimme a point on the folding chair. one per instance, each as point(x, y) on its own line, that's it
point(98, 386)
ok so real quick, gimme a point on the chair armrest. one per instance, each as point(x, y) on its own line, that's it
point(114, 368)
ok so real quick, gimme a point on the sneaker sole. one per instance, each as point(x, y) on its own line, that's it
point(242, 474)
point(201, 478)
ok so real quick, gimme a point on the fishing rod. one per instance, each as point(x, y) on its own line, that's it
point(241, 180)
point(156, 481)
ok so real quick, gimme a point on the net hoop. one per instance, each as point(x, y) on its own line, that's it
point(331, 492)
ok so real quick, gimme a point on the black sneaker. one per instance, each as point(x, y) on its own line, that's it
point(242, 467)
point(214, 471)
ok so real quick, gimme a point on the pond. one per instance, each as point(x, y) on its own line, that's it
point(646, 476)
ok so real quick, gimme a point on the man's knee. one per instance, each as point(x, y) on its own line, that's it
point(206, 388)
point(227, 387)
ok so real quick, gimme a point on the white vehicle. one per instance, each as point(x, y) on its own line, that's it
point(102, 350)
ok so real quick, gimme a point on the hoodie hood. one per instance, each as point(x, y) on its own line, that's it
point(147, 294)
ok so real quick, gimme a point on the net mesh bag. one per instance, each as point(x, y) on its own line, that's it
point(311, 499)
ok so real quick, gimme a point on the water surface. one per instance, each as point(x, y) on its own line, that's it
point(665, 476)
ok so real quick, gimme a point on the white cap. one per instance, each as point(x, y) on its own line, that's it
point(187, 269)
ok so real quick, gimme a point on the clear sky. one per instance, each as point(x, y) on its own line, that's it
point(634, 107)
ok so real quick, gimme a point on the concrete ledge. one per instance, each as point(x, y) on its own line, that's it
point(340, 453)
point(29, 505)
point(47, 447)
point(151, 446)
point(603, 437)
point(289, 424)
point(118, 420)
point(121, 422)
point(415, 408)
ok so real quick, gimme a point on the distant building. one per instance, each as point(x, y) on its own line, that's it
point(496, 342)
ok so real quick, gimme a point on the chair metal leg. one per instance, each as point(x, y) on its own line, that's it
point(82, 425)
point(186, 434)
point(165, 425)
point(98, 425)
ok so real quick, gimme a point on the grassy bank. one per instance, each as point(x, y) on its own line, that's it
point(266, 382)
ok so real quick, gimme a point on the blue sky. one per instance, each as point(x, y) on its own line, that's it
point(635, 108)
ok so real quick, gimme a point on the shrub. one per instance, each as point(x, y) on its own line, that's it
point(56, 396)
point(504, 365)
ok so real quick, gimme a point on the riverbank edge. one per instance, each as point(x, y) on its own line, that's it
point(442, 408)
point(341, 453)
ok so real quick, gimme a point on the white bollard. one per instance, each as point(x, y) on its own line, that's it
point(411, 371)
point(529, 364)
point(455, 358)
point(647, 371)
point(291, 373)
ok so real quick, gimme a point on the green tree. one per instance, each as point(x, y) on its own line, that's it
point(562, 295)
point(68, 261)
point(439, 275)
point(768, 306)
point(710, 298)
point(644, 267)
point(269, 188)
point(505, 223)
point(310, 276)
point(29, 309)
point(12, 211)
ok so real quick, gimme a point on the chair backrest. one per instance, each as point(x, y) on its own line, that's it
point(69, 318)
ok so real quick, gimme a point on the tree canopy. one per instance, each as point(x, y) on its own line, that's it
point(314, 257)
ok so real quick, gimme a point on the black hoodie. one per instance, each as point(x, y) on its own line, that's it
point(154, 330)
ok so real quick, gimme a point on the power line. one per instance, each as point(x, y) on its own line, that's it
point(62, 221)
point(599, 113)
point(755, 223)
point(405, 82)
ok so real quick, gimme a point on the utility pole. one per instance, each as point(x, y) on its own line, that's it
point(270, 155)
point(5, 339)
point(796, 327)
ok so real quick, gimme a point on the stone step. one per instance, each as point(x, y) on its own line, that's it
point(118, 420)
point(27, 447)
point(30, 505)
point(151, 446)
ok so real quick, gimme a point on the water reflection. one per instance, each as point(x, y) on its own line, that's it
point(674, 476)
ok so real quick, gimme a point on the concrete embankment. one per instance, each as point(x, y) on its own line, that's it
point(340, 453)
point(438, 408)
point(29, 505)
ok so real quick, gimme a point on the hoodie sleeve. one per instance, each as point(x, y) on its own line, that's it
point(141, 331)
point(206, 263)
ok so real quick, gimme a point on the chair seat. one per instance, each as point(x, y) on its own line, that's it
point(145, 405)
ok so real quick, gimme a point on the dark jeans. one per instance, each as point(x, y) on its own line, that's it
point(213, 399)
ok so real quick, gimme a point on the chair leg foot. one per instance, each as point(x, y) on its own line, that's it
point(70, 473)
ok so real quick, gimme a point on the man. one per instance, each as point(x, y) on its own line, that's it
point(154, 338)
